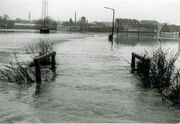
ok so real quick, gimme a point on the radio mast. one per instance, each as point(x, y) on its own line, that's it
point(45, 27)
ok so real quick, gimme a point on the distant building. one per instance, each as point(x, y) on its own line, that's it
point(83, 20)
point(71, 21)
point(68, 26)
point(84, 25)
point(124, 21)
point(152, 22)
point(96, 24)
point(63, 27)
point(107, 24)
point(24, 25)
point(133, 25)
point(127, 24)
point(170, 34)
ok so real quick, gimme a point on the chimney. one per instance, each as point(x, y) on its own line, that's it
point(29, 17)
point(75, 17)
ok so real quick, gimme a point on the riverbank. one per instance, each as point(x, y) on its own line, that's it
point(18, 30)
point(22, 31)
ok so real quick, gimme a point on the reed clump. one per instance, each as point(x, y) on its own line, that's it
point(39, 49)
point(21, 72)
point(163, 74)
point(17, 72)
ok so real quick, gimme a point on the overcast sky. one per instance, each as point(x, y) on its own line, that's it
point(160, 10)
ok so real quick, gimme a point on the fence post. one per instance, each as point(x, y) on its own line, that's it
point(53, 62)
point(147, 69)
point(133, 62)
point(38, 71)
point(38, 75)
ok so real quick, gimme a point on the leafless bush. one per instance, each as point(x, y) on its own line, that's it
point(38, 49)
point(41, 48)
point(21, 72)
point(162, 68)
point(163, 74)
point(17, 72)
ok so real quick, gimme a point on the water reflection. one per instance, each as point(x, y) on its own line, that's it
point(135, 39)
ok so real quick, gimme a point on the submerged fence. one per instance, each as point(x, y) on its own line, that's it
point(145, 64)
point(37, 62)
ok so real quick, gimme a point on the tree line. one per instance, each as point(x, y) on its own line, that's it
point(7, 23)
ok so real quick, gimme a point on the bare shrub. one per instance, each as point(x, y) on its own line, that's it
point(17, 72)
point(163, 74)
point(41, 48)
point(162, 68)
point(21, 72)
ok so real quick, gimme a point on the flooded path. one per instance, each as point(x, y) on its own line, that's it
point(93, 84)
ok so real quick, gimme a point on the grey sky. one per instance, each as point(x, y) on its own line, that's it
point(160, 10)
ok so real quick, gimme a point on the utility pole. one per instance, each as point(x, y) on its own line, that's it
point(111, 36)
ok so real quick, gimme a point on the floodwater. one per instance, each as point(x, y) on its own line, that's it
point(93, 82)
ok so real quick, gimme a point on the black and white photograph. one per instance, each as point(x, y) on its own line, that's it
point(90, 61)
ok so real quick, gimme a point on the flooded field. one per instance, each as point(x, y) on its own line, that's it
point(93, 83)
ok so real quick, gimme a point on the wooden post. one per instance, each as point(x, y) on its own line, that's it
point(38, 71)
point(133, 62)
point(146, 70)
point(53, 62)
point(146, 65)
point(38, 75)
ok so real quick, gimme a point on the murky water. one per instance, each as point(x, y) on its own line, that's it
point(93, 82)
